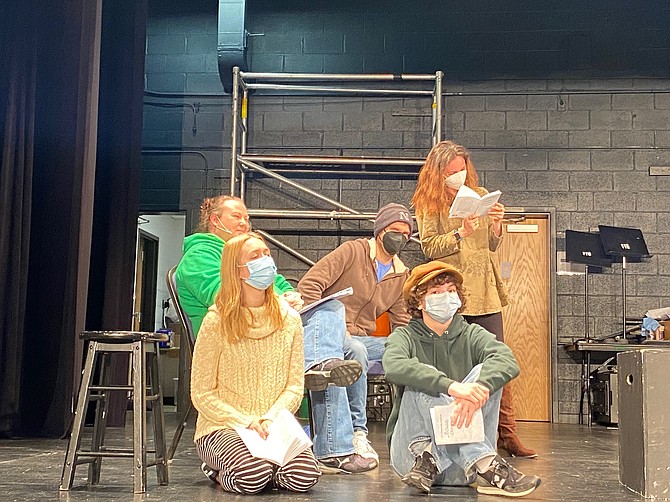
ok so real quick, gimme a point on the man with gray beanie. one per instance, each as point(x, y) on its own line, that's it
point(376, 274)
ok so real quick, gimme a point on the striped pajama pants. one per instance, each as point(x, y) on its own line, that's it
point(239, 472)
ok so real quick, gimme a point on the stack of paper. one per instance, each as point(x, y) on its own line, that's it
point(286, 440)
point(662, 314)
point(345, 292)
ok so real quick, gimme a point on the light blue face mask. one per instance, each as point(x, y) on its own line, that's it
point(442, 306)
point(262, 272)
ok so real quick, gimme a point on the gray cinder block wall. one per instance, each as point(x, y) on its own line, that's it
point(576, 142)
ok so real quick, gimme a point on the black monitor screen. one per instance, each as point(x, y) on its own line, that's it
point(619, 241)
point(586, 248)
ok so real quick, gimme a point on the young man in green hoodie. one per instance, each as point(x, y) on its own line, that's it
point(440, 359)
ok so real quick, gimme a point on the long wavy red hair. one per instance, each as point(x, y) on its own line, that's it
point(431, 194)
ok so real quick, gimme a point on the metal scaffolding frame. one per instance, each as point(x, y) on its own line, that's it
point(276, 166)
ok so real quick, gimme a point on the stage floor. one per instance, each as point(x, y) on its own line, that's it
point(575, 463)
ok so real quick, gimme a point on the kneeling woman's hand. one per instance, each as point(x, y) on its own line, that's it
point(261, 427)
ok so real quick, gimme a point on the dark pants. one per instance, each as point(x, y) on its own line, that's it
point(490, 322)
point(506, 421)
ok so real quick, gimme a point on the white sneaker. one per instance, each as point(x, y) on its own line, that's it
point(209, 472)
point(363, 447)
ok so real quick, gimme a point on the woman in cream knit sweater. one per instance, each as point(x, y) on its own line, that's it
point(247, 367)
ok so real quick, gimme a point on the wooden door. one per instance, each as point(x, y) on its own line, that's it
point(525, 266)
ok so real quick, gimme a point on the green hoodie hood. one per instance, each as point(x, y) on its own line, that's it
point(202, 238)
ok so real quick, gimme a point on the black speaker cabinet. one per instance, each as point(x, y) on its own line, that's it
point(644, 422)
point(604, 388)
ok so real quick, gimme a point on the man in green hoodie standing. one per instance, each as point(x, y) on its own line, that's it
point(439, 359)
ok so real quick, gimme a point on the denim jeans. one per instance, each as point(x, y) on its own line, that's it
point(362, 349)
point(337, 411)
point(325, 329)
point(413, 433)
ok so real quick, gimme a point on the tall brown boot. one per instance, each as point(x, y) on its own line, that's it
point(507, 437)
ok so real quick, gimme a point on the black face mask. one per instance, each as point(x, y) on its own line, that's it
point(394, 242)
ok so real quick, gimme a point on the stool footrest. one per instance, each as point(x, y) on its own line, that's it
point(119, 454)
point(128, 388)
point(110, 387)
point(111, 451)
point(115, 453)
point(93, 455)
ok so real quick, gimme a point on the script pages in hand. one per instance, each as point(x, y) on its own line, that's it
point(445, 433)
point(468, 202)
point(345, 292)
point(286, 439)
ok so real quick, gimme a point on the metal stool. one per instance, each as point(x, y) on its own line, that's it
point(144, 354)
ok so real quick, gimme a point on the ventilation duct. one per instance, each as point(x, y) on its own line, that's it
point(231, 46)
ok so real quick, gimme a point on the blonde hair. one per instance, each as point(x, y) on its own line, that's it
point(210, 206)
point(431, 193)
point(236, 318)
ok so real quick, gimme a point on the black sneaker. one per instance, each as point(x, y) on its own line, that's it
point(422, 474)
point(336, 372)
point(503, 479)
point(347, 464)
point(210, 472)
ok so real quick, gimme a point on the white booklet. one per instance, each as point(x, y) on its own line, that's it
point(345, 292)
point(286, 439)
point(468, 202)
point(445, 433)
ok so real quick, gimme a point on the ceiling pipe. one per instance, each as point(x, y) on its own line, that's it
point(231, 47)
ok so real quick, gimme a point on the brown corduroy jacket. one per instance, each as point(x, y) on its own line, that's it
point(353, 264)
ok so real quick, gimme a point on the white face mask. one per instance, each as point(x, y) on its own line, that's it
point(456, 180)
point(442, 306)
point(262, 272)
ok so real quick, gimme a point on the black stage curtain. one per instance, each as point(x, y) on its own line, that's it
point(110, 300)
point(66, 64)
point(49, 77)
point(17, 115)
